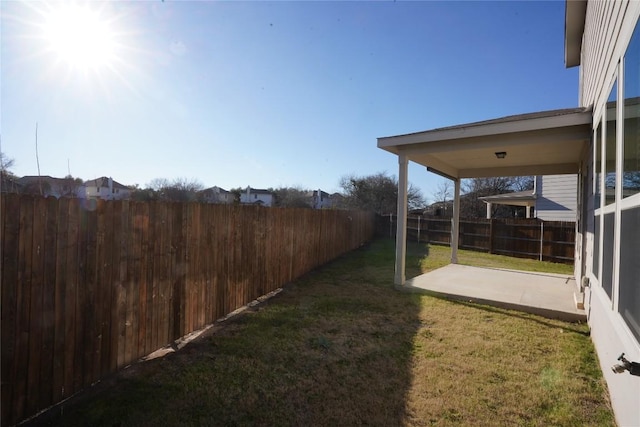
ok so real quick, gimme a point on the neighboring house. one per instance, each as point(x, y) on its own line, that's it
point(49, 186)
point(553, 198)
point(599, 141)
point(440, 209)
point(255, 196)
point(320, 199)
point(556, 197)
point(216, 195)
point(336, 200)
point(104, 188)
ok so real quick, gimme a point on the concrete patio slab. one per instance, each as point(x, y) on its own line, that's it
point(545, 294)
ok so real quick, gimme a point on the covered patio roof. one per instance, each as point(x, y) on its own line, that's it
point(542, 143)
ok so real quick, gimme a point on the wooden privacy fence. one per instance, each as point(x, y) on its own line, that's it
point(88, 289)
point(524, 238)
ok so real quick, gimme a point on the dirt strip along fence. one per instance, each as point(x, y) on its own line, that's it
point(524, 238)
point(88, 289)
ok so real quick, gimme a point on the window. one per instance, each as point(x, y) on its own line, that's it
point(629, 297)
point(606, 278)
point(610, 147)
point(631, 172)
point(597, 169)
point(629, 272)
point(596, 248)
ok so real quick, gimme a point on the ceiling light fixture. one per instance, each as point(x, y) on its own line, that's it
point(501, 154)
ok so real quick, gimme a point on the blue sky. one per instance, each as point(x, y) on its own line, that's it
point(268, 94)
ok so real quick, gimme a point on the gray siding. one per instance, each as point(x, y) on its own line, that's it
point(601, 47)
point(557, 197)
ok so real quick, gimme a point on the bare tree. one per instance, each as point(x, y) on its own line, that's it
point(178, 190)
point(522, 183)
point(377, 193)
point(443, 192)
point(292, 197)
point(472, 207)
point(6, 163)
point(70, 186)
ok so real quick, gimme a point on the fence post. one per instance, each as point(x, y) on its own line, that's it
point(390, 225)
point(541, 238)
point(418, 229)
point(491, 235)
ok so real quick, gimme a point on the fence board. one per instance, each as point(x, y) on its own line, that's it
point(115, 284)
point(62, 237)
point(147, 251)
point(104, 282)
point(23, 307)
point(10, 240)
point(90, 336)
point(132, 286)
point(35, 316)
point(123, 286)
point(80, 264)
point(48, 304)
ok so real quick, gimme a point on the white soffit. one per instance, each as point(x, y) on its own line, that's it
point(548, 142)
point(574, 18)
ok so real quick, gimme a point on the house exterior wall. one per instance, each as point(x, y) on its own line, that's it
point(321, 200)
point(604, 22)
point(608, 30)
point(105, 189)
point(255, 196)
point(217, 195)
point(557, 197)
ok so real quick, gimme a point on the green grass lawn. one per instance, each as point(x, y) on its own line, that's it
point(439, 256)
point(341, 347)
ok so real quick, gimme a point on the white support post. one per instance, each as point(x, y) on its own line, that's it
point(528, 211)
point(401, 231)
point(488, 210)
point(455, 222)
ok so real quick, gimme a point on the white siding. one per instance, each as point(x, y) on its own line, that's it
point(557, 197)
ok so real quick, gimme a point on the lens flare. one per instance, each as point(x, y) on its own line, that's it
point(80, 37)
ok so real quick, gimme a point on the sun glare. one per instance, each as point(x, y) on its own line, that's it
point(80, 37)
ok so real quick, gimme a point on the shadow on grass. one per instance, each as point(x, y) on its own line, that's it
point(565, 326)
point(334, 348)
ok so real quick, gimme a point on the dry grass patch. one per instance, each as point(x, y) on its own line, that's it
point(341, 347)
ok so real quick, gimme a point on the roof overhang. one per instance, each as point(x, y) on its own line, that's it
point(574, 18)
point(542, 143)
point(520, 198)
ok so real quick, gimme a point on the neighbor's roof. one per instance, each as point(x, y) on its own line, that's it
point(103, 181)
point(259, 191)
point(506, 197)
